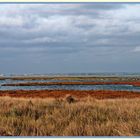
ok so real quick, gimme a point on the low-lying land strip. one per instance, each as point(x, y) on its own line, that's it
point(134, 83)
point(71, 78)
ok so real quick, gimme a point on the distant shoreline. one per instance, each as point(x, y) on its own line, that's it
point(68, 77)
point(94, 74)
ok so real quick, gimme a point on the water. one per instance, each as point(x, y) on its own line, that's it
point(74, 87)
point(9, 81)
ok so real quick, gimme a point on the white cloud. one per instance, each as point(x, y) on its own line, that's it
point(136, 49)
point(11, 22)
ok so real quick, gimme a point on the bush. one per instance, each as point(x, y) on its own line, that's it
point(70, 99)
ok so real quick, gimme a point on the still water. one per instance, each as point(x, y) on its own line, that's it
point(74, 87)
point(66, 87)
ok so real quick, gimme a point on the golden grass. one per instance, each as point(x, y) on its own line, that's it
point(56, 117)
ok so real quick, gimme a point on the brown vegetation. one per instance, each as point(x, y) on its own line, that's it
point(56, 117)
point(98, 94)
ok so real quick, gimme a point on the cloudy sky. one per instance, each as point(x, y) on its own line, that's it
point(66, 38)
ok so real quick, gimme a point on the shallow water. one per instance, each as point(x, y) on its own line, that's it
point(9, 81)
point(74, 87)
point(66, 87)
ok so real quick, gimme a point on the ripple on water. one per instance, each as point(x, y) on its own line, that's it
point(74, 87)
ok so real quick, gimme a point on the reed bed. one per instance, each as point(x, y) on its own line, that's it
point(69, 116)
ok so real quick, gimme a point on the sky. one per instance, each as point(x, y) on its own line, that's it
point(69, 38)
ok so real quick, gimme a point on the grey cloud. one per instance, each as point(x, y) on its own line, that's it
point(74, 35)
point(105, 6)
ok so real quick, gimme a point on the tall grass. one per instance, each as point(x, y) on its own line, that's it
point(57, 117)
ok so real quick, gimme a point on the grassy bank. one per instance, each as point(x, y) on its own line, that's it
point(58, 117)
